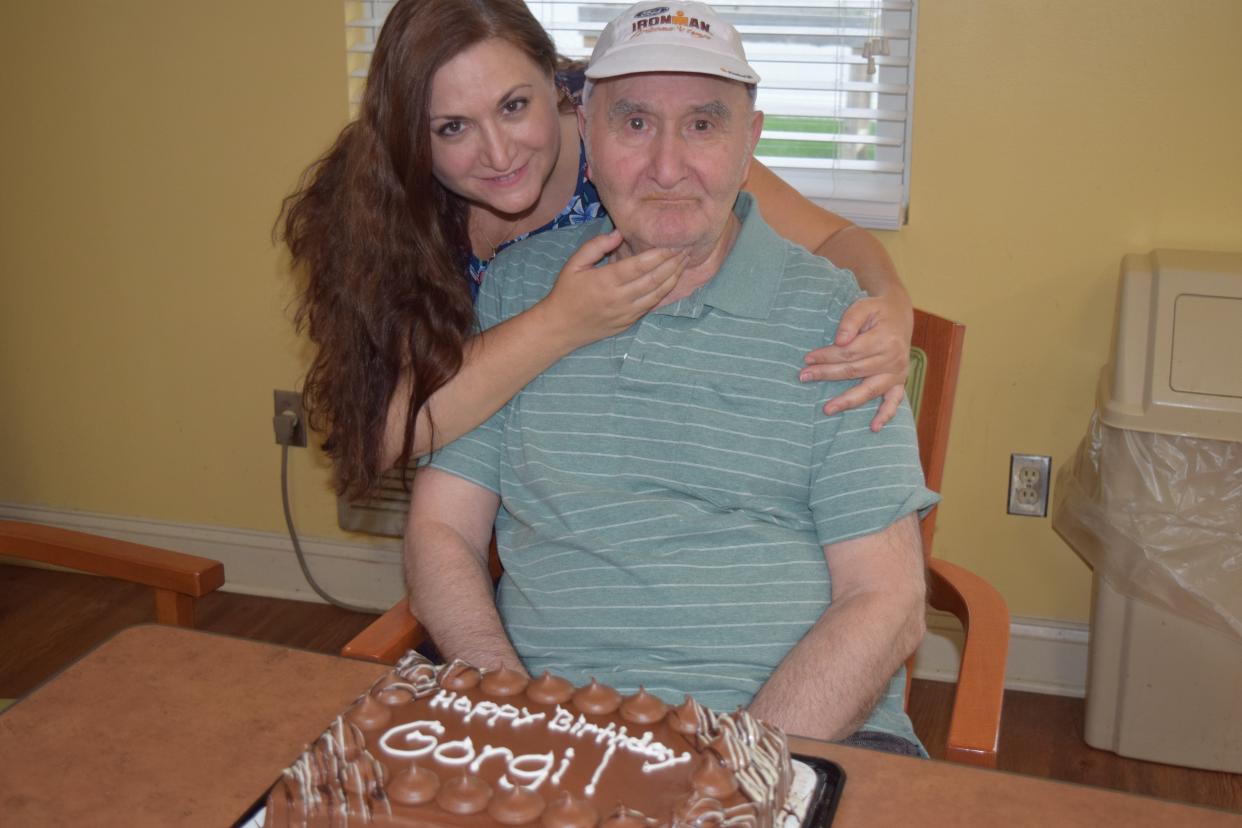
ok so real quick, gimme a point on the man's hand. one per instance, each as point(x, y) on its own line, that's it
point(451, 592)
point(827, 685)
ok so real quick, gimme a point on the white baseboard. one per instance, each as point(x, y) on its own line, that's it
point(362, 573)
point(1045, 656)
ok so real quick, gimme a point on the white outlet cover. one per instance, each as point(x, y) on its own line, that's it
point(1029, 476)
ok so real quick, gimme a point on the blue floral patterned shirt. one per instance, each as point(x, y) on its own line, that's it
point(583, 206)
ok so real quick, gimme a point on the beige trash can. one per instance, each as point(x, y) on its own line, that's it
point(1153, 502)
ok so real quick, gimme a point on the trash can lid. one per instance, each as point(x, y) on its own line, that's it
point(1175, 365)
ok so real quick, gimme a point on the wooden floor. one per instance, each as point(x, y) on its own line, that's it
point(48, 619)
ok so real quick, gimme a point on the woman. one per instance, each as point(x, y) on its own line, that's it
point(465, 144)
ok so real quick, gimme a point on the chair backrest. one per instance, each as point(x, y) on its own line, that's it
point(935, 358)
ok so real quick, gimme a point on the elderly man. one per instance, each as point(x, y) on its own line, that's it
point(672, 509)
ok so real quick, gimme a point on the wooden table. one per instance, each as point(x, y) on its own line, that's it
point(167, 726)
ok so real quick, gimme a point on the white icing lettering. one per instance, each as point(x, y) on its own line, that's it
point(465, 746)
point(487, 753)
point(417, 739)
point(525, 717)
point(562, 720)
point(482, 709)
point(413, 734)
point(667, 762)
point(639, 745)
point(532, 777)
point(492, 713)
point(442, 699)
point(589, 790)
point(560, 772)
point(607, 733)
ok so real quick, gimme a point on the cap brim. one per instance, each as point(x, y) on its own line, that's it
point(660, 57)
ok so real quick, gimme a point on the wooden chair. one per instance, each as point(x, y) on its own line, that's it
point(936, 354)
point(178, 580)
point(974, 724)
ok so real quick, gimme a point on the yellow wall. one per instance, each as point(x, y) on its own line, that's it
point(145, 150)
point(143, 310)
point(1050, 138)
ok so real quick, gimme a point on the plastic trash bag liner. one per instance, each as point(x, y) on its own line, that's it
point(1159, 517)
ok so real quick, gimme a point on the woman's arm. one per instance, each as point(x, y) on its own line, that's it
point(495, 366)
point(586, 304)
point(873, 338)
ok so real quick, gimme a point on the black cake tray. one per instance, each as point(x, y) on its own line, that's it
point(829, 780)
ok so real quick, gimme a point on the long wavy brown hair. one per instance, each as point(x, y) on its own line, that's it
point(382, 244)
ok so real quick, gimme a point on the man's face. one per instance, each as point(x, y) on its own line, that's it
point(669, 153)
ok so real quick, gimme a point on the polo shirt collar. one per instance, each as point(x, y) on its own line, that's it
point(746, 283)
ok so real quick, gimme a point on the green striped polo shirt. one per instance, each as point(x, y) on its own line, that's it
point(666, 492)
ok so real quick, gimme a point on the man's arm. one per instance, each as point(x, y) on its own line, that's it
point(451, 592)
point(829, 682)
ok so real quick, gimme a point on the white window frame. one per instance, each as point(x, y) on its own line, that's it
point(861, 74)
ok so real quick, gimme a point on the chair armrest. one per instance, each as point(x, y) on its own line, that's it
point(974, 726)
point(177, 578)
point(387, 638)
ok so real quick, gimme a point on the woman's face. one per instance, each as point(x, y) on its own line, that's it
point(495, 133)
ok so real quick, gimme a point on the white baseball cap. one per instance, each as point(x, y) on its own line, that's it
point(670, 36)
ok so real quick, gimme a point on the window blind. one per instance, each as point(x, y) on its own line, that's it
point(836, 90)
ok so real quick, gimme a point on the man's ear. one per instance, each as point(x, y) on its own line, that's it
point(582, 133)
point(756, 129)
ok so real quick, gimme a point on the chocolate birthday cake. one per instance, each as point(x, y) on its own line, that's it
point(454, 745)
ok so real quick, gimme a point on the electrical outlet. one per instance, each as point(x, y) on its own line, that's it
point(289, 401)
point(1028, 484)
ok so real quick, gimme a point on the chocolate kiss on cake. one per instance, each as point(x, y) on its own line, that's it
point(643, 708)
point(394, 695)
point(460, 676)
point(370, 714)
point(569, 812)
point(625, 818)
point(503, 682)
point(550, 689)
point(713, 779)
point(464, 794)
point(414, 786)
point(516, 806)
point(392, 690)
point(597, 699)
point(684, 718)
